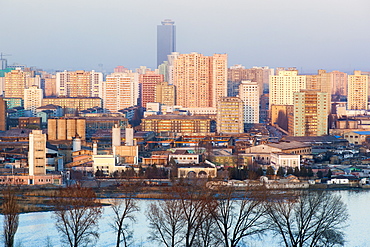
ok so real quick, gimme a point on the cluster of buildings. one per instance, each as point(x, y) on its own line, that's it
point(218, 113)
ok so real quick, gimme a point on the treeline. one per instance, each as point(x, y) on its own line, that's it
point(194, 215)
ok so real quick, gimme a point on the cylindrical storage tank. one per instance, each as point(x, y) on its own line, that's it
point(129, 136)
point(116, 136)
point(76, 145)
point(61, 130)
point(52, 129)
point(71, 128)
point(81, 128)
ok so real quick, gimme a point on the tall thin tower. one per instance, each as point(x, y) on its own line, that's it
point(166, 40)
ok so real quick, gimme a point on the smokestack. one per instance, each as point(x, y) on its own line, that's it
point(95, 148)
point(76, 144)
point(129, 136)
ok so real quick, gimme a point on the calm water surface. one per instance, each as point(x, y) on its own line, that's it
point(37, 229)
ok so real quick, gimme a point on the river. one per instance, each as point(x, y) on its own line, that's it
point(38, 229)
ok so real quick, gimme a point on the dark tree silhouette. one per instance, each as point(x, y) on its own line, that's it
point(11, 210)
point(124, 209)
point(311, 218)
point(77, 215)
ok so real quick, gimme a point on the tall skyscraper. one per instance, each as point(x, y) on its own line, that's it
point(166, 40)
point(249, 94)
point(15, 83)
point(200, 80)
point(357, 91)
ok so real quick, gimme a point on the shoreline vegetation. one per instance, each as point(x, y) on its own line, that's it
point(39, 198)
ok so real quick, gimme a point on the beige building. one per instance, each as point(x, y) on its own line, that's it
point(165, 94)
point(310, 113)
point(181, 124)
point(285, 160)
point(230, 116)
point(120, 91)
point(357, 91)
point(279, 115)
point(283, 85)
point(15, 83)
point(249, 93)
point(200, 80)
point(37, 153)
point(79, 83)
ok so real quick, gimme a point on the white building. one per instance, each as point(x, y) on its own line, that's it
point(285, 160)
point(283, 85)
point(32, 99)
point(249, 94)
point(37, 153)
point(120, 90)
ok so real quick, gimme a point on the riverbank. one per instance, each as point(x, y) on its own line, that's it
point(39, 199)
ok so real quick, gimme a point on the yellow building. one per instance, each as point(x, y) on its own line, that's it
point(310, 113)
point(357, 91)
point(73, 104)
point(177, 123)
point(165, 94)
point(230, 115)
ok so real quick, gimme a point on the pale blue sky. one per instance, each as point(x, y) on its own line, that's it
point(81, 34)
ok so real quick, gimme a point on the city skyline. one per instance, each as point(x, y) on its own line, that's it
point(312, 35)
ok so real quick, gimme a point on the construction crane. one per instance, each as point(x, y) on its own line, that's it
point(3, 61)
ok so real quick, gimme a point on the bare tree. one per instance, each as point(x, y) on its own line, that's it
point(11, 210)
point(77, 215)
point(166, 221)
point(196, 203)
point(312, 218)
point(124, 210)
point(239, 218)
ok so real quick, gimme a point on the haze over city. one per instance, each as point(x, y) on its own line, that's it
point(103, 34)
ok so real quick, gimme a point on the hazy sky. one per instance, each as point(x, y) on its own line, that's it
point(81, 34)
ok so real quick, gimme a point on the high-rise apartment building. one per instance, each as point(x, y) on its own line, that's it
point(165, 94)
point(238, 73)
point(166, 40)
point(200, 80)
point(120, 90)
point(357, 91)
point(310, 113)
point(37, 153)
point(50, 89)
point(15, 83)
point(148, 82)
point(2, 114)
point(230, 115)
point(79, 83)
point(283, 85)
point(249, 94)
point(339, 83)
point(32, 99)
